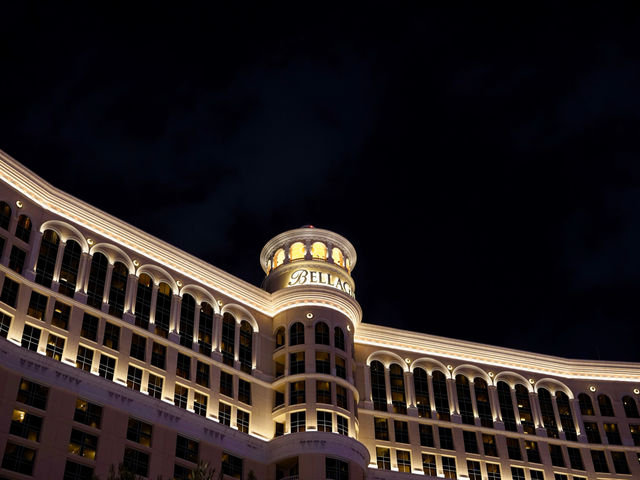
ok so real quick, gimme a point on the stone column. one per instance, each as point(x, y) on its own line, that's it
point(56, 269)
point(32, 257)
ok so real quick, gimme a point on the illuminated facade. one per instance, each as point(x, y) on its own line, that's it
point(119, 347)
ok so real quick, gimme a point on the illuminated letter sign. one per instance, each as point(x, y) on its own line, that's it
point(313, 277)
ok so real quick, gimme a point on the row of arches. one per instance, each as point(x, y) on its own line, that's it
point(605, 406)
point(322, 335)
point(314, 251)
point(23, 226)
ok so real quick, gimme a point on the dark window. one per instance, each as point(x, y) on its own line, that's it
point(97, 276)
point(31, 338)
point(593, 434)
point(5, 324)
point(202, 374)
point(245, 350)
point(136, 461)
point(154, 386)
point(513, 449)
point(33, 394)
point(244, 391)
point(76, 471)
point(630, 407)
point(613, 434)
point(341, 397)
point(383, 457)
point(181, 396)
point(401, 431)
point(226, 384)
point(296, 334)
point(606, 408)
point(524, 409)
point(323, 362)
point(296, 363)
point(83, 444)
point(381, 428)
point(224, 414)
point(536, 474)
point(134, 378)
point(139, 347)
point(440, 395)
point(464, 399)
point(187, 313)
point(47, 258)
point(2, 244)
point(187, 449)
point(25, 425)
point(89, 327)
point(426, 435)
point(158, 355)
point(421, 386)
point(470, 441)
point(55, 347)
point(9, 293)
point(139, 432)
point(489, 445)
point(396, 379)
point(183, 366)
point(635, 434)
point(16, 259)
point(200, 402)
point(429, 464)
point(446, 438)
point(506, 407)
point(474, 472)
point(620, 464)
point(69, 268)
point(548, 415)
point(227, 344)
point(575, 458)
point(338, 338)
point(242, 421)
point(336, 469)
point(107, 367)
point(566, 418)
point(37, 305)
point(297, 393)
point(341, 370)
point(280, 340)
point(61, 314)
point(181, 473)
point(205, 328)
point(23, 228)
point(322, 334)
point(88, 413)
point(118, 289)
point(378, 386)
point(111, 337)
point(143, 300)
point(18, 458)
point(5, 215)
point(599, 461)
point(557, 458)
point(163, 310)
point(231, 465)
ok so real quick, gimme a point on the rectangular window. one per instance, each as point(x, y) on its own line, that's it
point(181, 396)
point(154, 386)
point(181, 473)
point(403, 458)
point(226, 384)
point(449, 467)
point(401, 431)
point(33, 394)
point(183, 366)
point(298, 422)
point(231, 465)
point(107, 366)
point(200, 401)
point(620, 464)
point(279, 367)
point(557, 459)
point(599, 461)
point(517, 473)
point(493, 471)
point(25, 425)
point(76, 471)
point(139, 432)
point(202, 374)
point(111, 337)
point(187, 449)
point(336, 469)
point(341, 397)
point(297, 393)
point(83, 444)
point(446, 438)
point(429, 464)
point(426, 435)
point(134, 378)
point(533, 454)
point(10, 291)
point(5, 324)
point(536, 474)
point(89, 327)
point(489, 444)
point(244, 391)
point(613, 434)
point(242, 421)
point(560, 476)
point(341, 370)
point(278, 400)
point(61, 314)
point(381, 428)
point(323, 362)
point(343, 424)
point(279, 430)
point(470, 442)
point(37, 305)
point(323, 392)
point(159, 355)
point(593, 434)
point(575, 458)
point(224, 414)
point(296, 363)
point(31, 338)
point(136, 461)
point(88, 413)
point(384, 458)
point(139, 347)
point(84, 358)
point(513, 449)
point(635, 434)
point(18, 458)
point(324, 421)
point(16, 259)
point(473, 470)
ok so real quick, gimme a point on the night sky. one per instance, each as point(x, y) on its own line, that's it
point(484, 163)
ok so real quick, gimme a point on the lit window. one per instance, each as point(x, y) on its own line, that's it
point(88, 413)
point(278, 258)
point(242, 421)
point(297, 251)
point(336, 255)
point(319, 251)
point(83, 444)
point(383, 458)
point(404, 461)
point(324, 421)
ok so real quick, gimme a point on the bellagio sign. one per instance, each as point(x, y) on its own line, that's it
point(314, 277)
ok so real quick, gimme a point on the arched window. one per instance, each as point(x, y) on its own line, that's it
point(548, 416)
point(5, 215)
point(566, 418)
point(23, 228)
point(187, 313)
point(118, 289)
point(47, 258)
point(524, 409)
point(205, 328)
point(280, 340)
point(421, 387)
point(318, 251)
point(322, 334)
point(296, 334)
point(440, 395)
point(586, 406)
point(630, 407)
point(378, 386)
point(338, 338)
point(97, 275)
point(506, 407)
point(482, 401)
point(163, 310)
point(297, 251)
point(606, 408)
point(69, 268)
point(464, 399)
point(336, 255)
point(143, 300)
point(396, 377)
point(246, 347)
point(278, 258)
point(228, 340)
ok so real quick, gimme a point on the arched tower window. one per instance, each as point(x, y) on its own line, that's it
point(378, 386)
point(118, 289)
point(464, 399)
point(205, 328)
point(278, 258)
point(187, 313)
point(566, 417)
point(318, 251)
point(586, 406)
point(23, 228)
point(97, 275)
point(163, 310)
point(246, 347)
point(280, 340)
point(548, 416)
point(506, 407)
point(47, 258)
point(524, 409)
point(482, 401)
point(440, 395)
point(143, 300)
point(630, 407)
point(336, 255)
point(227, 343)
point(296, 334)
point(606, 408)
point(5, 215)
point(69, 268)
point(421, 387)
point(297, 251)
point(338, 339)
point(322, 334)
point(396, 377)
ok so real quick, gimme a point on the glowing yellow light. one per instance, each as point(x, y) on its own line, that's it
point(220, 303)
point(179, 283)
point(19, 204)
point(336, 255)
point(90, 241)
point(319, 251)
point(408, 360)
point(532, 381)
point(297, 251)
point(636, 391)
point(491, 374)
point(278, 258)
point(592, 388)
point(136, 263)
point(449, 367)
point(309, 315)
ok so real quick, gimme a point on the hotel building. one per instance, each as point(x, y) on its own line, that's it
point(117, 347)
